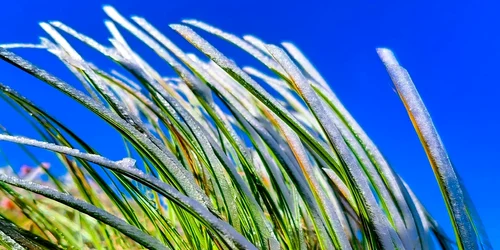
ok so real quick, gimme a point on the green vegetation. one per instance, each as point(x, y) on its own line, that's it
point(220, 157)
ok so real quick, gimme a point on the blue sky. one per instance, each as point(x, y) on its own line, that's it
point(451, 49)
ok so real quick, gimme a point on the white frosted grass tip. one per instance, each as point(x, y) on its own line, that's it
point(387, 56)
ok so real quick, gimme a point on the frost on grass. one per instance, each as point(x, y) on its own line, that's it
point(259, 55)
point(134, 233)
point(353, 169)
point(440, 162)
point(126, 167)
point(227, 163)
point(183, 177)
point(327, 205)
point(8, 241)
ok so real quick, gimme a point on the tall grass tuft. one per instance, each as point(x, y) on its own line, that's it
point(219, 157)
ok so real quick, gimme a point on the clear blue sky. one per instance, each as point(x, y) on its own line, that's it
point(451, 49)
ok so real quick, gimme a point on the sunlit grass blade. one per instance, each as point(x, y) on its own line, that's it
point(240, 43)
point(356, 179)
point(126, 167)
point(330, 217)
point(22, 238)
point(398, 208)
point(132, 232)
point(223, 160)
point(7, 239)
point(448, 181)
point(183, 180)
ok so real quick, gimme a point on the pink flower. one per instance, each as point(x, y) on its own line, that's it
point(7, 204)
point(25, 169)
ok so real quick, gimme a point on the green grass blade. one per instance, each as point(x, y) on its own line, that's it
point(357, 180)
point(445, 173)
point(130, 231)
point(183, 178)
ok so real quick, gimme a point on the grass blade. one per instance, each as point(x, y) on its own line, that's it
point(132, 232)
point(441, 165)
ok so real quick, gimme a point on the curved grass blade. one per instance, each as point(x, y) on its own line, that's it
point(330, 217)
point(107, 218)
point(52, 127)
point(269, 62)
point(23, 238)
point(181, 177)
point(443, 170)
point(8, 241)
point(356, 178)
point(197, 87)
point(125, 167)
point(278, 169)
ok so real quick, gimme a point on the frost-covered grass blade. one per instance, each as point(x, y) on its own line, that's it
point(218, 156)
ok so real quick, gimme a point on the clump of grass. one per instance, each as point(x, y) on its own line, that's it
point(220, 162)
